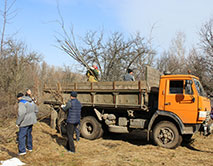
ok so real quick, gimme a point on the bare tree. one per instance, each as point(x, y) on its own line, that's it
point(206, 45)
point(7, 15)
point(195, 62)
point(17, 69)
point(173, 59)
point(206, 38)
point(113, 55)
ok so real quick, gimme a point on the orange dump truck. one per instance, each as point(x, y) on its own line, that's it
point(170, 111)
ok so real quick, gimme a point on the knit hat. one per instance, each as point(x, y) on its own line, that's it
point(95, 65)
point(129, 70)
point(20, 95)
point(73, 94)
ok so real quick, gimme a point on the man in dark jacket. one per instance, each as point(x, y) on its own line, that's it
point(73, 119)
point(27, 110)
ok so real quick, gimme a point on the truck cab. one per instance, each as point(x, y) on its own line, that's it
point(183, 108)
point(184, 96)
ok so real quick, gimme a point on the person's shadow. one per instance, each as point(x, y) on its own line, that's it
point(189, 146)
point(60, 140)
point(12, 154)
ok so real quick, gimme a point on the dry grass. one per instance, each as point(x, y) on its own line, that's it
point(116, 150)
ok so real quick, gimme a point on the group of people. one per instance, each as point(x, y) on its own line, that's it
point(93, 74)
point(27, 110)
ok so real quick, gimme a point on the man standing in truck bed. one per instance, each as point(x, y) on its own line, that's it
point(129, 76)
point(93, 73)
point(73, 119)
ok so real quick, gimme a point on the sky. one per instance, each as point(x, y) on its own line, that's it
point(36, 21)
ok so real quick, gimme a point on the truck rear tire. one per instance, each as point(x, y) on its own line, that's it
point(166, 134)
point(90, 128)
point(101, 133)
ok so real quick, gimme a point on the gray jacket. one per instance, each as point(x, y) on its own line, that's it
point(129, 77)
point(27, 110)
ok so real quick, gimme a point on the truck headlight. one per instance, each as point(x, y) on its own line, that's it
point(202, 115)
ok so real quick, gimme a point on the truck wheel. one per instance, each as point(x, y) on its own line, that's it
point(101, 133)
point(63, 128)
point(90, 128)
point(165, 134)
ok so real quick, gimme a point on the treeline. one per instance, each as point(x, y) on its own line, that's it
point(198, 60)
point(21, 69)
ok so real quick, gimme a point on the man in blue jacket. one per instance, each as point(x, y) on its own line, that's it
point(27, 110)
point(73, 107)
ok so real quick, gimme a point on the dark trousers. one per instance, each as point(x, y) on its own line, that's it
point(25, 132)
point(70, 132)
point(77, 131)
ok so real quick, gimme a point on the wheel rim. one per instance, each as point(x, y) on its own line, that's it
point(166, 135)
point(89, 128)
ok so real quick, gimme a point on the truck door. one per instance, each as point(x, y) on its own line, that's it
point(181, 100)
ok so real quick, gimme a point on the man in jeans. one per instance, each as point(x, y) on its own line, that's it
point(27, 110)
point(73, 119)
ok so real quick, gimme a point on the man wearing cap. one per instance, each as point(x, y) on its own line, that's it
point(73, 107)
point(93, 73)
point(27, 111)
point(129, 76)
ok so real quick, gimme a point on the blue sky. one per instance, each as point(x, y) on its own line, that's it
point(36, 21)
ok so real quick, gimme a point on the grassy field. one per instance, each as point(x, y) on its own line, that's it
point(115, 150)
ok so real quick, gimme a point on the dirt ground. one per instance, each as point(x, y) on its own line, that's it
point(115, 150)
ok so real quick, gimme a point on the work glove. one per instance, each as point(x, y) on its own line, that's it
point(63, 105)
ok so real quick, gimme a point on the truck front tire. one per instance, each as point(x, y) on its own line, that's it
point(91, 128)
point(166, 134)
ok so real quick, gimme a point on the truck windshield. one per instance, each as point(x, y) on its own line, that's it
point(199, 88)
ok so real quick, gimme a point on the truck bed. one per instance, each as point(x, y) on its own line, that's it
point(118, 94)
